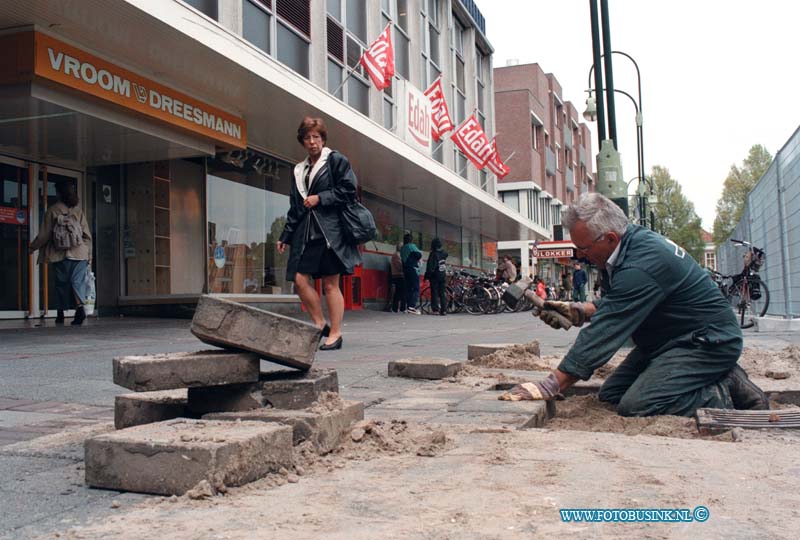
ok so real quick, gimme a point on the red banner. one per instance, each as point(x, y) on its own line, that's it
point(471, 139)
point(496, 165)
point(13, 216)
point(378, 59)
point(440, 114)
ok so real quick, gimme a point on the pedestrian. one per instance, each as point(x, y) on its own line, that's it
point(579, 280)
point(566, 286)
point(686, 338)
point(398, 289)
point(540, 288)
point(323, 184)
point(411, 255)
point(67, 243)
point(509, 269)
point(436, 273)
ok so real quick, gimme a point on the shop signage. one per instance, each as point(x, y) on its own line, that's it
point(13, 216)
point(555, 253)
point(414, 117)
point(72, 67)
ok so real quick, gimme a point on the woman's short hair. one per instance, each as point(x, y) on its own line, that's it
point(407, 238)
point(435, 243)
point(312, 124)
point(600, 214)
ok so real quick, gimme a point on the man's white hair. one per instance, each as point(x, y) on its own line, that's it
point(599, 213)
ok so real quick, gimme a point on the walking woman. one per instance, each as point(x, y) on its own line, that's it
point(324, 184)
point(67, 244)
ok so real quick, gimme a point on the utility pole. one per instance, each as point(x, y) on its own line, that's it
point(610, 181)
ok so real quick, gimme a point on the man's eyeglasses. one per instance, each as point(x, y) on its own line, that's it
point(587, 248)
point(312, 137)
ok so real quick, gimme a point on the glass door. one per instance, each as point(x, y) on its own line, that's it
point(15, 262)
point(27, 190)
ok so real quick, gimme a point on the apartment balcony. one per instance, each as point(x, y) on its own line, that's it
point(570, 180)
point(568, 136)
point(550, 165)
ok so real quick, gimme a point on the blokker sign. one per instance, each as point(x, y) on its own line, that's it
point(67, 65)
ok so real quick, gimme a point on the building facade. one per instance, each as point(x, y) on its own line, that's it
point(176, 120)
point(551, 163)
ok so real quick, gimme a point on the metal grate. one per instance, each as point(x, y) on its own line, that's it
point(335, 40)
point(727, 418)
point(297, 13)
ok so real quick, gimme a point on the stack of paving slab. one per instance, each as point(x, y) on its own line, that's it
point(214, 415)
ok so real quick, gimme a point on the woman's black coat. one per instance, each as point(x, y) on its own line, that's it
point(335, 183)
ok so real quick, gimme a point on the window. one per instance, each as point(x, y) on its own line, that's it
point(246, 214)
point(389, 222)
point(345, 48)
point(536, 132)
point(256, 25)
point(450, 235)
point(429, 42)
point(396, 10)
point(459, 83)
point(710, 260)
point(208, 7)
point(286, 37)
point(292, 50)
point(510, 199)
point(422, 228)
point(460, 161)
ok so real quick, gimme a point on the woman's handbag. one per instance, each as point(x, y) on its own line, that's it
point(357, 223)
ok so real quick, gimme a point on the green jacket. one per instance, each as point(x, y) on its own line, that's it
point(406, 249)
point(658, 296)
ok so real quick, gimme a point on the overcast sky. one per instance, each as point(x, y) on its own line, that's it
point(718, 76)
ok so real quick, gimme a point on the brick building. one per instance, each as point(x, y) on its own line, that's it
point(552, 156)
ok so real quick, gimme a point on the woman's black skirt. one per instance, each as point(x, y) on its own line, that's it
point(318, 260)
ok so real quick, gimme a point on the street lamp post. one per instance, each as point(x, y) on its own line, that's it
point(591, 113)
point(639, 118)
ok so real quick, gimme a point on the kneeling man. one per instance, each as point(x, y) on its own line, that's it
point(687, 340)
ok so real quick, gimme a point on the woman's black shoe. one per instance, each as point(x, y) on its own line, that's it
point(333, 346)
point(326, 330)
point(80, 315)
point(60, 316)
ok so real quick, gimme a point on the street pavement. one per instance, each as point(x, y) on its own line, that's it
point(56, 387)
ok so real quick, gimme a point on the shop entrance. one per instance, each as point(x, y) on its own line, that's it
point(26, 192)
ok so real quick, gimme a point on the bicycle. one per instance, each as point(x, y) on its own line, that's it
point(746, 292)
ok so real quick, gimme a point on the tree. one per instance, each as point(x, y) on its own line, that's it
point(738, 184)
point(675, 216)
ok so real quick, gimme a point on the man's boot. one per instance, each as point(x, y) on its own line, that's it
point(744, 393)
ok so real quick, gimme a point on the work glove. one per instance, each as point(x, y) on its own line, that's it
point(571, 310)
point(545, 389)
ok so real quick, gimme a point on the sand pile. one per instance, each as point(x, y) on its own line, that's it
point(525, 356)
point(587, 413)
point(781, 364)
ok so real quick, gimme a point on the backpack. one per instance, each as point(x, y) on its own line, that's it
point(67, 232)
point(442, 267)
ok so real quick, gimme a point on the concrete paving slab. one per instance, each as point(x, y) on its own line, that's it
point(483, 419)
point(474, 350)
point(323, 429)
point(286, 389)
point(384, 414)
point(149, 407)
point(424, 367)
point(280, 339)
point(169, 458)
point(538, 412)
point(169, 371)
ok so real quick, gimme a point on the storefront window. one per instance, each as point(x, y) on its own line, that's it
point(246, 214)
point(470, 249)
point(450, 235)
point(422, 228)
point(389, 220)
point(489, 251)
